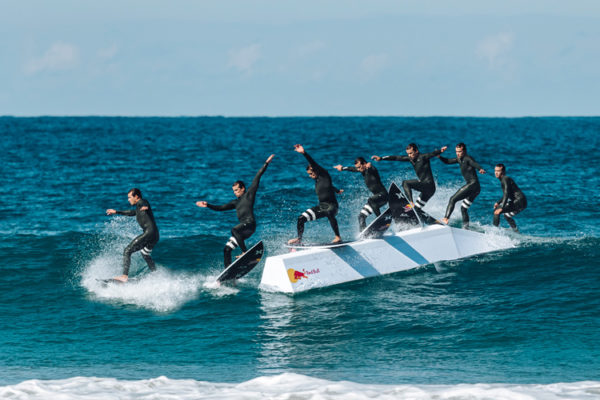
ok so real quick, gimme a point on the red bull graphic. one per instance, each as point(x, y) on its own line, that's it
point(295, 275)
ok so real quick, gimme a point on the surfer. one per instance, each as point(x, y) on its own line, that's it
point(373, 182)
point(513, 200)
point(244, 207)
point(144, 242)
point(420, 162)
point(328, 205)
point(467, 193)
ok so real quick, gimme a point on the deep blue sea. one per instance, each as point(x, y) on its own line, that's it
point(523, 321)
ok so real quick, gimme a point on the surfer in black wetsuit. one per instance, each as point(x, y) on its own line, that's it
point(144, 242)
point(513, 200)
point(420, 162)
point(244, 207)
point(373, 182)
point(467, 193)
point(328, 205)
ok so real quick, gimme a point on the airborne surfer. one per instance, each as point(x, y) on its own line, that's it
point(244, 206)
point(328, 205)
point(513, 200)
point(420, 162)
point(467, 193)
point(373, 182)
point(144, 242)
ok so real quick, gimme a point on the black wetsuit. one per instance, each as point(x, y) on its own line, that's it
point(513, 202)
point(375, 202)
point(328, 205)
point(144, 242)
point(244, 207)
point(425, 184)
point(467, 193)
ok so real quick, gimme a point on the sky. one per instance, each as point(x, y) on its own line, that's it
point(506, 58)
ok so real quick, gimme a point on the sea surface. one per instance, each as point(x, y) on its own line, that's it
point(519, 323)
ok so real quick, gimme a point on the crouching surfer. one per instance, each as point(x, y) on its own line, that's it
point(244, 206)
point(513, 200)
point(144, 242)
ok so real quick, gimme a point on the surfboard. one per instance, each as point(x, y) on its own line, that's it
point(378, 226)
point(320, 245)
point(242, 265)
point(106, 282)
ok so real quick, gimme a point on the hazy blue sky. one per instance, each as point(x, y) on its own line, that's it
point(249, 58)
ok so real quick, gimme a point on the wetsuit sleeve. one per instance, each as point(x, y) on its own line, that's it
point(502, 203)
point(129, 213)
point(449, 160)
point(256, 181)
point(434, 153)
point(316, 167)
point(351, 169)
point(395, 158)
point(224, 207)
point(474, 163)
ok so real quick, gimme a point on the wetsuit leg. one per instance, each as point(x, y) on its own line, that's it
point(373, 206)
point(331, 211)
point(137, 244)
point(364, 213)
point(512, 209)
point(239, 234)
point(467, 194)
point(320, 211)
point(427, 190)
point(464, 208)
point(308, 215)
point(147, 253)
point(408, 186)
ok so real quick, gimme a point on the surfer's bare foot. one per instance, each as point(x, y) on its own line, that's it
point(122, 278)
point(294, 241)
point(337, 239)
point(445, 221)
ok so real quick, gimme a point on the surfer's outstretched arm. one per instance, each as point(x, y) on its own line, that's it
point(313, 164)
point(256, 181)
point(129, 213)
point(342, 168)
point(224, 207)
point(434, 153)
point(391, 158)
point(448, 160)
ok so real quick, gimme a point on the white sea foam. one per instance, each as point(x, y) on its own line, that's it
point(288, 386)
point(162, 291)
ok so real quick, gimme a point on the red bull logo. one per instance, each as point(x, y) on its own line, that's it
point(407, 208)
point(295, 275)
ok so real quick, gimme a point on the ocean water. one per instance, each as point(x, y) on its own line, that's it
point(522, 322)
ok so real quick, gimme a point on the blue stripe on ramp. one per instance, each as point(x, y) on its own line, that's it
point(403, 247)
point(356, 261)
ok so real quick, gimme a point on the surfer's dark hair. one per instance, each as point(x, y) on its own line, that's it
point(501, 166)
point(135, 192)
point(462, 146)
point(360, 160)
point(412, 146)
point(239, 183)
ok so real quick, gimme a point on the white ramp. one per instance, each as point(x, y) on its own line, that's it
point(314, 268)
